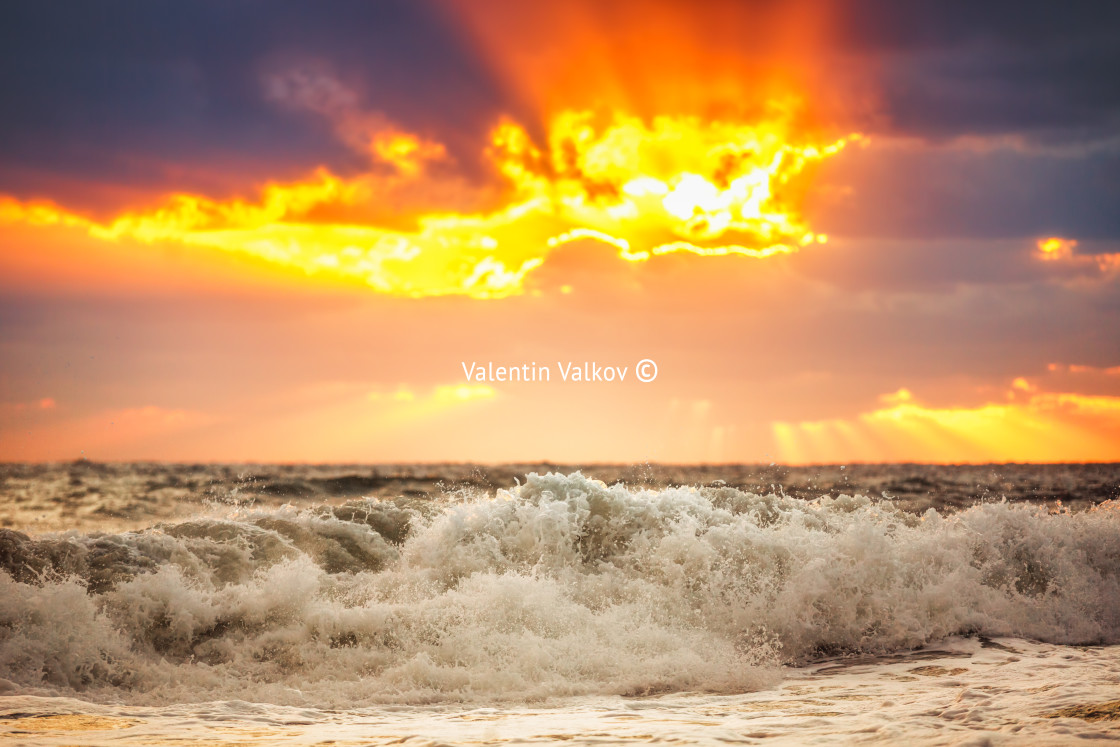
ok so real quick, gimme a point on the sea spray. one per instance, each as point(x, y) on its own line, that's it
point(561, 586)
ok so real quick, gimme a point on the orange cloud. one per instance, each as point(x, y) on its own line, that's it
point(1055, 248)
point(673, 184)
point(1080, 369)
point(1059, 250)
point(1033, 426)
point(45, 403)
point(406, 151)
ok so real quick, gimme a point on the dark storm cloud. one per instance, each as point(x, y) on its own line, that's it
point(928, 192)
point(1045, 70)
point(96, 89)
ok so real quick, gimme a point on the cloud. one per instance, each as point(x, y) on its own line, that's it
point(1078, 266)
point(641, 188)
point(1081, 369)
point(953, 68)
point(21, 408)
point(371, 133)
point(439, 396)
point(906, 188)
point(1055, 248)
point(131, 100)
point(132, 94)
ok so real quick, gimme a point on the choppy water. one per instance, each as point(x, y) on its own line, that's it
point(358, 591)
point(89, 495)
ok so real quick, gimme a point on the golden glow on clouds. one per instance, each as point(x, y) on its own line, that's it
point(674, 184)
point(44, 403)
point(406, 151)
point(677, 184)
point(1060, 252)
point(1055, 248)
point(1079, 369)
point(1031, 426)
point(38, 213)
point(444, 394)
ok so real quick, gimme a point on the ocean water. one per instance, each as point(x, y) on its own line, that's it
point(455, 604)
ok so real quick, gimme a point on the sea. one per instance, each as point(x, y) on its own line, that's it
point(452, 604)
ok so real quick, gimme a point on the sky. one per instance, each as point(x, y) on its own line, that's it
point(854, 231)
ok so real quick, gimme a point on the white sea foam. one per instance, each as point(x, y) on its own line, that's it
point(562, 586)
point(965, 692)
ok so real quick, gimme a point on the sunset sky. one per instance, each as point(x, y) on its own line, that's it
point(845, 231)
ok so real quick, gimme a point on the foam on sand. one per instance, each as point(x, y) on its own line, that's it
point(964, 691)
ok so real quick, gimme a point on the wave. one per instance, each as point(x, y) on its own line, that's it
point(561, 586)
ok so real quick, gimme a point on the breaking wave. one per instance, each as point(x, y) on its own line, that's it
point(561, 586)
